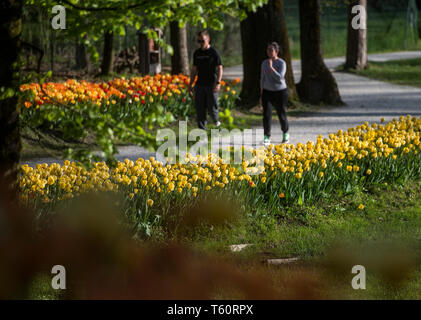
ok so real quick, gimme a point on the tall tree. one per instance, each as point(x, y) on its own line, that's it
point(81, 56)
point(317, 83)
point(10, 144)
point(180, 57)
point(418, 2)
point(144, 54)
point(108, 53)
point(356, 52)
point(232, 29)
point(265, 25)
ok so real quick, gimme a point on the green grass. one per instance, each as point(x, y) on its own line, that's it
point(329, 238)
point(390, 212)
point(385, 30)
point(404, 72)
point(41, 289)
point(334, 234)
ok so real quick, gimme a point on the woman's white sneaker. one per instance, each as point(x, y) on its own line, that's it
point(266, 140)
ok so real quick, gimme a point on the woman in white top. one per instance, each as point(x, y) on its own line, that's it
point(274, 92)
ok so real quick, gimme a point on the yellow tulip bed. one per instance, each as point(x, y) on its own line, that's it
point(302, 173)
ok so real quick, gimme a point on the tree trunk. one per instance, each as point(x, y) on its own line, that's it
point(81, 56)
point(144, 54)
point(180, 58)
point(52, 52)
point(317, 83)
point(10, 144)
point(356, 52)
point(230, 28)
point(36, 37)
point(266, 25)
point(107, 57)
point(418, 2)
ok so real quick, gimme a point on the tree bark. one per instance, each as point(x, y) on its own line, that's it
point(81, 56)
point(418, 2)
point(10, 144)
point(108, 53)
point(231, 28)
point(52, 52)
point(356, 52)
point(144, 54)
point(180, 58)
point(317, 83)
point(266, 25)
point(37, 35)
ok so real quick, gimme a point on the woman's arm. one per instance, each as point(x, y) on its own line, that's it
point(278, 76)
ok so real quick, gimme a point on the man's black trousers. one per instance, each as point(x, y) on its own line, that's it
point(206, 100)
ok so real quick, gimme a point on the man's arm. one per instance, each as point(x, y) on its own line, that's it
point(219, 70)
point(192, 77)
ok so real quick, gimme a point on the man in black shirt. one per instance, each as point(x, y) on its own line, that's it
point(207, 65)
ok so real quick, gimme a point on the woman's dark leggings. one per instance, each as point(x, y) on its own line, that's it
point(279, 100)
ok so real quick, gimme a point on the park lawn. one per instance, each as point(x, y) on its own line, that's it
point(329, 238)
point(353, 216)
point(404, 72)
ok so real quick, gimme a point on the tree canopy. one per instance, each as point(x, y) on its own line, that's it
point(92, 17)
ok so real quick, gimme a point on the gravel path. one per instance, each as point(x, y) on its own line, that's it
point(366, 100)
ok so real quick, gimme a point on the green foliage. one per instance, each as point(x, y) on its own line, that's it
point(87, 20)
point(227, 119)
point(129, 116)
point(91, 17)
point(107, 124)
